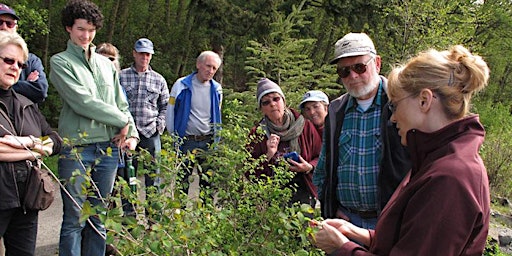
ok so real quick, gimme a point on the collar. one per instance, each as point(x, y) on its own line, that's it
point(377, 100)
point(132, 67)
point(79, 51)
point(433, 145)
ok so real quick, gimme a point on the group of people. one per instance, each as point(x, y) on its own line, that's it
point(394, 161)
point(398, 171)
point(105, 111)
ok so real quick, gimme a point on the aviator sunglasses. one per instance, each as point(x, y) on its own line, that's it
point(10, 61)
point(10, 24)
point(274, 99)
point(359, 68)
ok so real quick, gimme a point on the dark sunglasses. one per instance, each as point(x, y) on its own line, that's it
point(359, 68)
point(10, 24)
point(10, 61)
point(274, 99)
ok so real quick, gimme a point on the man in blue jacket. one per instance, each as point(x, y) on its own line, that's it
point(193, 112)
point(32, 83)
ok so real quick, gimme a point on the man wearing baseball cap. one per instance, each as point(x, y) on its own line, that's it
point(148, 95)
point(358, 139)
point(33, 83)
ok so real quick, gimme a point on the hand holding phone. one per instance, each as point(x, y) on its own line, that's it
point(292, 155)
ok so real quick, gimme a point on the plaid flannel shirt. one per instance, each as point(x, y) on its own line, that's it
point(147, 94)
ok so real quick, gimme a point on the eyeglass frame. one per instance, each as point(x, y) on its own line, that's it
point(273, 99)
point(20, 65)
point(353, 67)
point(7, 22)
point(392, 106)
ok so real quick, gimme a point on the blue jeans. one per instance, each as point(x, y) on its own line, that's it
point(154, 146)
point(78, 237)
point(360, 222)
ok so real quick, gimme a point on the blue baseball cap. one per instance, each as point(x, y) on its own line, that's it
point(144, 45)
point(4, 9)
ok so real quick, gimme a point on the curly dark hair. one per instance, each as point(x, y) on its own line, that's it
point(80, 9)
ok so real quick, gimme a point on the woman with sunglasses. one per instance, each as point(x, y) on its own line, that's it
point(111, 52)
point(442, 206)
point(21, 128)
point(286, 131)
point(32, 83)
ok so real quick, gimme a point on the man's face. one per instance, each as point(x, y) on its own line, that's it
point(7, 20)
point(207, 69)
point(141, 60)
point(82, 33)
point(364, 85)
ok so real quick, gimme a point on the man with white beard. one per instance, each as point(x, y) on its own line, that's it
point(362, 161)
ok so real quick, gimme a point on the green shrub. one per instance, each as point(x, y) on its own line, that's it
point(492, 248)
point(247, 217)
point(497, 148)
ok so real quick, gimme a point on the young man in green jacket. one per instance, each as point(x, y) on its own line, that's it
point(96, 120)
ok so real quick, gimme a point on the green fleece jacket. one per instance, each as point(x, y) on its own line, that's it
point(94, 107)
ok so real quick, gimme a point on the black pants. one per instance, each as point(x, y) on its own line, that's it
point(189, 146)
point(19, 231)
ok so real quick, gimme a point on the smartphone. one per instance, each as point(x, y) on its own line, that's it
point(293, 155)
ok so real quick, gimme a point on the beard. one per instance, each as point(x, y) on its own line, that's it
point(363, 91)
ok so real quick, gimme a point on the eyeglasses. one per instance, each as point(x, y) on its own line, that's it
point(10, 61)
point(392, 106)
point(274, 99)
point(10, 24)
point(359, 68)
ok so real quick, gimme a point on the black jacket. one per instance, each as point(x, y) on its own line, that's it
point(394, 162)
point(28, 120)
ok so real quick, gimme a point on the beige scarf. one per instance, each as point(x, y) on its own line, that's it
point(290, 130)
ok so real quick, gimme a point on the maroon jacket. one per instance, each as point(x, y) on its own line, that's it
point(310, 145)
point(442, 206)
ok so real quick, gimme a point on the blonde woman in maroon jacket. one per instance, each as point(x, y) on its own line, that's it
point(442, 206)
point(286, 130)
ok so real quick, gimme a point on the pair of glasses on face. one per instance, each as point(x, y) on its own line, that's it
point(8, 23)
point(267, 102)
point(10, 61)
point(393, 105)
point(359, 68)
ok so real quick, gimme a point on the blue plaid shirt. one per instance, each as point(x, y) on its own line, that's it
point(360, 150)
point(360, 147)
point(147, 95)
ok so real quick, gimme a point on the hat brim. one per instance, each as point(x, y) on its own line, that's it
point(310, 99)
point(8, 13)
point(273, 90)
point(349, 54)
point(147, 50)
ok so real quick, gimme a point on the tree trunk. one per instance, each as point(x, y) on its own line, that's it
point(219, 49)
point(168, 13)
point(187, 31)
point(45, 57)
point(180, 11)
point(112, 20)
